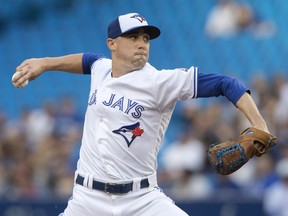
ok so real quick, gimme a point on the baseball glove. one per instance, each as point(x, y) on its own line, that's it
point(229, 156)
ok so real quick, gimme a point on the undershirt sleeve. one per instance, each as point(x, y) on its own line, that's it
point(87, 61)
point(210, 85)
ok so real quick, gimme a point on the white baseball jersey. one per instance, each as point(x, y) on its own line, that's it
point(127, 117)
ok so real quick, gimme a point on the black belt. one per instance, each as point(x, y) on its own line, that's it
point(113, 188)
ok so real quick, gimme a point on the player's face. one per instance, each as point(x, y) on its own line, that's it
point(132, 49)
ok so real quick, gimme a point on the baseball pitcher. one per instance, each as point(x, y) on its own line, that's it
point(128, 111)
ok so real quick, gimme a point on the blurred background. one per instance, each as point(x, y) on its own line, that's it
point(40, 125)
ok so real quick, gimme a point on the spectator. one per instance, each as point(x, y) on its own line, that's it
point(281, 113)
point(183, 162)
point(229, 17)
point(275, 199)
point(186, 153)
point(263, 176)
point(38, 123)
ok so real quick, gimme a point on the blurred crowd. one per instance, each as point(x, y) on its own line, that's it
point(39, 150)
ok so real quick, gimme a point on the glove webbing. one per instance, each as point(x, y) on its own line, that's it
point(226, 152)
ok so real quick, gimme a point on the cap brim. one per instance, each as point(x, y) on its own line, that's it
point(152, 31)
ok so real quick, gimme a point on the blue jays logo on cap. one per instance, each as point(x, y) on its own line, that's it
point(129, 132)
point(128, 22)
point(138, 17)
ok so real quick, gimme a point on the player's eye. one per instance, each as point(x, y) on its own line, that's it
point(133, 37)
point(146, 38)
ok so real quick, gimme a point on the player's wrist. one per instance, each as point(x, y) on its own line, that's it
point(260, 124)
point(46, 64)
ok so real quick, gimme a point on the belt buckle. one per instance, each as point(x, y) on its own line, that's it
point(107, 186)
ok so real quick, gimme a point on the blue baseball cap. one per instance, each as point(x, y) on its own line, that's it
point(129, 22)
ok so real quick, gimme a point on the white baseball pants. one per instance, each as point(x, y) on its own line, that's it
point(144, 202)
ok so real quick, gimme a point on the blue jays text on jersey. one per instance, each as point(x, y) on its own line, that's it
point(121, 103)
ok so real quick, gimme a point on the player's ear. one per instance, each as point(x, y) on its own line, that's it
point(111, 44)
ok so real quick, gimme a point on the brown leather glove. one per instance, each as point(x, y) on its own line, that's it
point(229, 156)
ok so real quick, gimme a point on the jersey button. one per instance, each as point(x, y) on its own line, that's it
point(100, 141)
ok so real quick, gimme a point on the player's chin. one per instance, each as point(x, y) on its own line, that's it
point(140, 63)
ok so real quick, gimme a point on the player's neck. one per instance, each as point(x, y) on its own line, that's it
point(119, 70)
